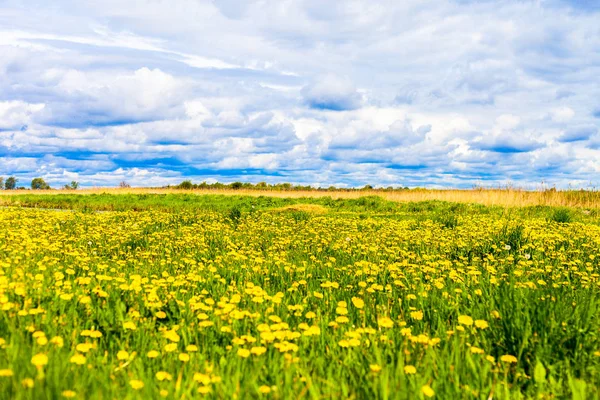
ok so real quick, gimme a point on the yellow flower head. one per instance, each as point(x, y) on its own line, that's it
point(507, 358)
point(136, 384)
point(427, 391)
point(358, 302)
point(410, 370)
point(39, 360)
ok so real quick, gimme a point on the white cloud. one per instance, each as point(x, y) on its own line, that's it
point(419, 92)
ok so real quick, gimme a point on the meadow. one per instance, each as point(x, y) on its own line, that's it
point(180, 296)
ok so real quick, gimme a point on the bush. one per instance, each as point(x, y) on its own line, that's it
point(562, 215)
point(186, 185)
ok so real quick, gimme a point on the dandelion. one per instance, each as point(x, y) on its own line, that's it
point(507, 358)
point(171, 347)
point(416, 315)
point(78, 359)
point(264, 389)
point(427, 391)
point(244, 353)
point(358, 302)
point(184, 357)
point(410, 370)
point(6, 372)
point(136, 384)
point(69, 393)
point(162, 375)
point(375, 368)
point(122, 355)
point(39, 360)
point(28, 383)
point(481, 324)
point(465, 320)
point(385, 322)
point(257, 351)
point(152, 354)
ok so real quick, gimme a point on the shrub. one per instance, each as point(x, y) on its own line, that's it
point(562, 215)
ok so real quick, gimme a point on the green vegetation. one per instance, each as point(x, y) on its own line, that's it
point(182, 296)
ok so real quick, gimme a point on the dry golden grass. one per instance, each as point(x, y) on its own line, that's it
point(490, 197)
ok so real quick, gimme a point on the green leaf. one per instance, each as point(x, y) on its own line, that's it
point(539, 374)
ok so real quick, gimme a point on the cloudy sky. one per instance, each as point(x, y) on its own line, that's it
point(429, 93)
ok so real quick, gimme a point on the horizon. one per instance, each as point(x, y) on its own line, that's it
point(439, 94)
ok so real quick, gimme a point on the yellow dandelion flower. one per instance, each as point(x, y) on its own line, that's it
point(465, 320)
point(410, 370)
point(129, 326)
point(507, 358)
point(84, 347)
point(244, 353)
point(358, 302)
point(427, 391)
point(39, 360)
point(162, 375)
point(264, 389)
point(6, 372)
point(202, 378)
point(136, 384)
point(27, 383)
point(258, 350)
point(69, 393)
point(385, 322)
point(481, 324)
point(416, 315)
point(375, 368)
point(78, 359)
point(171, 347)
point(122, 355)
point(476, 350)
point(184, 357)
point(191, 348)
point(152, 354)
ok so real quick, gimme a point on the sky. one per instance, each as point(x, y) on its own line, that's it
point(427, 93)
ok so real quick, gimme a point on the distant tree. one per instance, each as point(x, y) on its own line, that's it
point(11, 183)
point(236, 185)
point(1, 182)
point(39, 184)
point(124, 185)
point(186, 185)
point(368, 187)
point(74, 185)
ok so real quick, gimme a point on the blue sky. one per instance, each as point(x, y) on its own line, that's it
point(436, 93)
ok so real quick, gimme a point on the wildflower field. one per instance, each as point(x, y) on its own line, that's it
point(238, 297)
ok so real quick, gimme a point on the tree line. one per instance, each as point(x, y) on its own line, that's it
point(189, 185)
point(11, 182)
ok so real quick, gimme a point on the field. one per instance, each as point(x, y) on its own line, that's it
point(182, 296)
